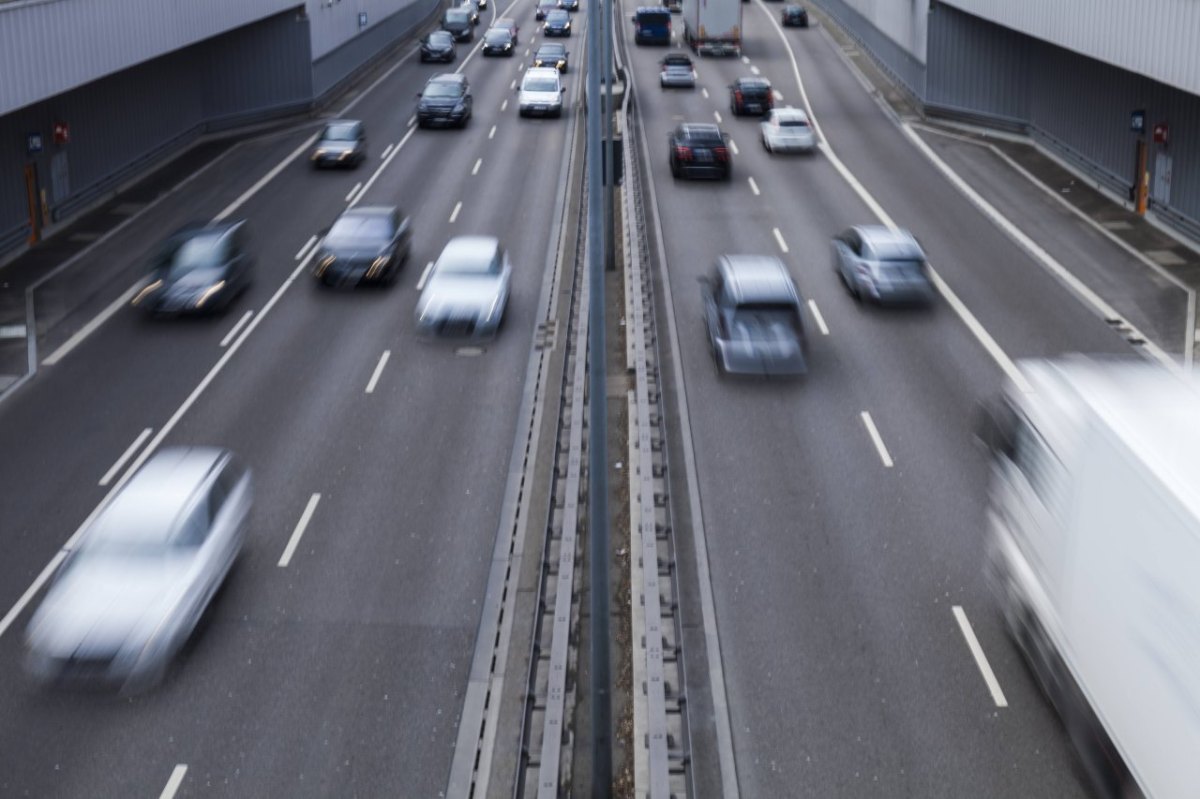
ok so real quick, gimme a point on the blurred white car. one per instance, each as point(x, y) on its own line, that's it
point(787, 130)
point(467, 290)
point(129, 595)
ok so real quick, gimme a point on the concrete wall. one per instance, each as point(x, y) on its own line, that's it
point(893, 31)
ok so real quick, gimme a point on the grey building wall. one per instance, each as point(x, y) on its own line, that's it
point(903, 60)
point(121, 123)
point(48, 47)
point(335, 64)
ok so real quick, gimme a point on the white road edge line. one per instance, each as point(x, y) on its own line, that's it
point(424, 276)
point(779, 238)
point(492, 132)
point(383, 359)
point(116, 467)
point(877, 439)
point(357, 186)
point(162, 434)
point(294, 541)
point(173, 783)
point(981, 660)
point(385, 152)
point(232, 334)
point(478, 163)
point(87, 330)
point(753, 186)
point(454, 213)
point(812, 306)
point(304, 250)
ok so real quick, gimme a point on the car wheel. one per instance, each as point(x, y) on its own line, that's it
point(766, 145)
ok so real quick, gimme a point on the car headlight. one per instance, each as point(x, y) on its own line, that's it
point(458, 109)
point(537, 62)
point(146, 292)
point(209, 293)
point(318, 153)
point(378, 264)
point(561, 63)
point(323, 264)
point(508, 45)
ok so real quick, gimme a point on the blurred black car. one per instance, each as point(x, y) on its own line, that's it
point(751, 96)
point(472, 10)
point(510, 25)
point(551, 54)
point(543, 8)
point(558, 23)
point(438, 46)
point(199, 269)
point(499, 41)
point(343, 142)
point(446, 101)
point(365, 245)
point(458, 22)
point(794, 16)
point(699, 150)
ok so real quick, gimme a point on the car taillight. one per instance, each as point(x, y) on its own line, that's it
point(683, 152)
point(770, 101)
point(737, 95)
point(720, 153)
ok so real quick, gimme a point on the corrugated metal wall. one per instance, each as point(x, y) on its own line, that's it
point(1156, 38)
point(121, 123)
point(904, 66)
point(51, 46)
point(332, 67)
point(1076, 105)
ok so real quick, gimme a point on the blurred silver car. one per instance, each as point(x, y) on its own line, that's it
point(882, 264)
point(467, 290)
point(129, 595)
point(754, 319)
point(786, 130)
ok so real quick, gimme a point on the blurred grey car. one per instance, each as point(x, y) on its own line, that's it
point(201, 268)
point(883, 265)
point(467, 289)
point(342, 142)
point(752, 310)
point(786, 130)
point(131, 593)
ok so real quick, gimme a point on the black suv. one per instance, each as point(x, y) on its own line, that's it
point(751, 96)
point(458, 22)
point(700, 150)
point(551, 54)
point(558, 23)
point(445, 101)
point(499, 41)
point(201, 268)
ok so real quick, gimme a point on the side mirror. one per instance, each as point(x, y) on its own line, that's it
point(418, 95)
point(633, 18)
point(562, 89)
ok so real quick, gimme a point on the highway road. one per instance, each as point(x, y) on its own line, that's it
point(335, 661)
point(844, 513)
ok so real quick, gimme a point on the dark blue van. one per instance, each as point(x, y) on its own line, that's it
point(652, 25)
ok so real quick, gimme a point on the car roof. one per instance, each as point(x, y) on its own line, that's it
point(704, 130)
point(559, 12)
point(541, 72)
point(755, 82)
point(146, 509)
point(552, 46)
point(365, 211)
point(448, 77)
point(887, 243)
point(470, 248)
point(676, 58)
point(757, 278)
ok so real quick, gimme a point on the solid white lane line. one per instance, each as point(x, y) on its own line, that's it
point(753, 186)
point(126, 455)
point(232, 334)
point(733, 146)
point(875, 437)
point(717, 116)
point(779, 238)
point(981, 660)
point(383, 359)
point(478, 163)
point(265, 179)
point(304, 250)
point(424, 276)
point(357, 186)
point(704, 91)
point(176, 779)
point(385, 152)
point(504, 106)
point(457, 208)
point(87, 330)
point(412, 120)
point(812, 306)
point(294, 541)
point(755, 70)
point(492, 132)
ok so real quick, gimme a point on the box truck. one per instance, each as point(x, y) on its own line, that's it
point(1094, 556)
point(713, 27)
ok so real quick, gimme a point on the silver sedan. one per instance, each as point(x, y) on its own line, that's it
point(787, 130)
point(131, 593)
point(467, 290)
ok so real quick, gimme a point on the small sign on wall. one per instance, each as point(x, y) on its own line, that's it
point(33, 143)
point(362, 19)
point(1161, 133)
point(1137, 121)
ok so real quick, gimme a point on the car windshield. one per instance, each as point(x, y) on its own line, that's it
point(907, 266)
point(763, 321)
point(558, 16)
point(497, 37)
point(440, 37)
point(357, 230)
point(754, 88)
point(458, 15)
point(540, 85)
point(468, 264)
point(199, 252)
point(339, 131)
point(442, 89)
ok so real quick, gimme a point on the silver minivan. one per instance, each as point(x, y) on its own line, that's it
point(132, 591)
point(540, 93)
point(882, 264)
point(752, 310)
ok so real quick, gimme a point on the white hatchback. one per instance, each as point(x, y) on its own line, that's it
point(541, 93)
point(787, 130)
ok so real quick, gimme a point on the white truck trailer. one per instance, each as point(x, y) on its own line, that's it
point(713, 27)
point(1094, 555)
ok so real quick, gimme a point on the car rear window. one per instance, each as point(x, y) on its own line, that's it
point(358, 229)
point(440, 88)
point(764, 320)
point(793, 123)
